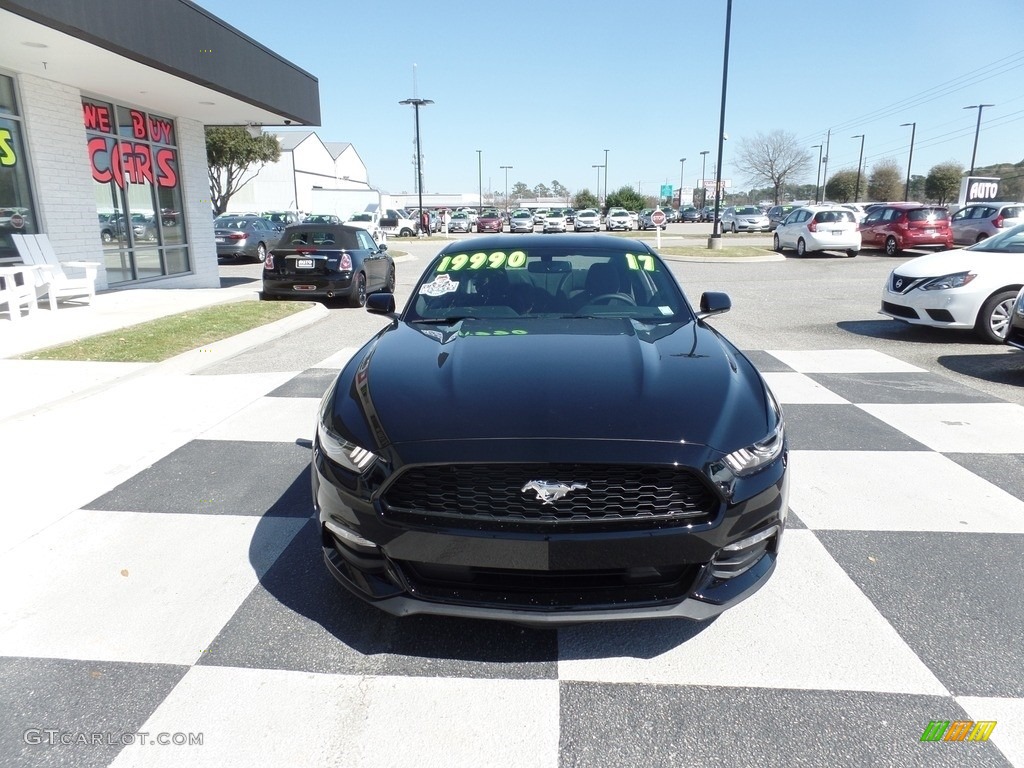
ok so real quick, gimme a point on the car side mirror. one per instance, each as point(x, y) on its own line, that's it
point(713, 303)
point(381, 304)
point(382, 247)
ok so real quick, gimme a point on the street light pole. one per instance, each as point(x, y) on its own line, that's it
point(860, 161)
point(977, 130)
point(682, 164)
point(416, 104)
point(817, 177)
point(716, 231)
point(598, 193)
point(910, 160)
point(506, 167)
point(606, 177)
point(480, 178)
point(703, 189)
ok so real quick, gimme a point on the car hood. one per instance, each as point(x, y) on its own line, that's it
point(959, 260)
point(586, 379)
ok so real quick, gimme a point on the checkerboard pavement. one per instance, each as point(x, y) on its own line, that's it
point(182, 592)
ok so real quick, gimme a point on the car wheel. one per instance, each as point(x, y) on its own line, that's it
point(406, 233)
point(851, 252)
point(261, 253)
point(981, 237)
point(776, 245)
point(389, 287)
point(358, 298)
point(734, 228)
point(107, 237)
point(994, 319)
point(891, 246)
point(801, 247)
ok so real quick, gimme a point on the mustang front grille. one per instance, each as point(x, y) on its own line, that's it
point(548, 494)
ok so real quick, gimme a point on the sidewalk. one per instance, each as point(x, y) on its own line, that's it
point(29, 385)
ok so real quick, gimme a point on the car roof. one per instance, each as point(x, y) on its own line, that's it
point(568, 241)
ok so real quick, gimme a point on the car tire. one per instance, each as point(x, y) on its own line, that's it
point(358, 298)
point(261, 253)
point(801, 247)
point(734, 230)
point(107, 237)
point(776, 244)
point(850, 253)
point(389, 286)
point(994, 318)
point(980, 237)
point(892, 248)
point(406, 233)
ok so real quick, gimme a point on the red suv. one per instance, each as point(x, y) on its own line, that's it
point(893, 227)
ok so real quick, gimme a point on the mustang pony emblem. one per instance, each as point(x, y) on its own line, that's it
point(552, 492)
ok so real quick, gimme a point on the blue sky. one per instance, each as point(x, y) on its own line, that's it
point(546, 87)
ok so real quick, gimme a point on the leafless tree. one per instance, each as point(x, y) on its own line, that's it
point(772, 159)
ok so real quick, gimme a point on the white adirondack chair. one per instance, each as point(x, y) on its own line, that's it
point(52, 280)
point(16, 295)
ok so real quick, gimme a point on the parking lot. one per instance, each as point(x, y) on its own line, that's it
point(185, 592)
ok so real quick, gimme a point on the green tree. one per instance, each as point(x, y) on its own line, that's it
point(584, 199)
point(231, 154)
point(520, 190)
point(886, 181)
point(772, 159)
point(842, 187)
point(943, 182)
point(541, 190)
point(559, 191)
point(626, 197)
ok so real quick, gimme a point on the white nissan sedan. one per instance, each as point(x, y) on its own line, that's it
point(971, 288)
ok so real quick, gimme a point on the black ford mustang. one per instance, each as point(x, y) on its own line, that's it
point(548, 432)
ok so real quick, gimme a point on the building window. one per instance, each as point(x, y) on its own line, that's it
point(134, 160)
point(17, 213)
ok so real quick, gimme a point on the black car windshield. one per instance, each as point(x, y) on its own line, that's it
point(1008, 241)
point(231, 223)
point(548, 281)
point(749, 211)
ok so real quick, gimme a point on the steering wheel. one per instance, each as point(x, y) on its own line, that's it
point(621, 296)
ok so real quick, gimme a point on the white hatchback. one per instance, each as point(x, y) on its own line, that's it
point(818, 228)
point(970, 288)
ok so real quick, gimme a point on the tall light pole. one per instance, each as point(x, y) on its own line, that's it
point(824, 175)
point(703, 170)
point(606, 177)
point(977, 130)
point(480, 178)
point(506, 167)
point(682, 164)
point(860, 161)
point(598, 194)
point(913, 131)
point(716, 231)
point(416, 104)
point(817, 177)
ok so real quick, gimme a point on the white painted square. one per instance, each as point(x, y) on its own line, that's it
point(793, 388)
point(337, 361)
point(897, 491)
point(843, 361)
point(254, 717)
point(133, 586)
point(271, 419)
point(959, 427)
point(809, 627)
point(1008, 734)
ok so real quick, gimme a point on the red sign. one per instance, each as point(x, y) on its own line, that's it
point(126, 162)
point(658, 218)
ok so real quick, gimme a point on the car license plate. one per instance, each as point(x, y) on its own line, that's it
point(929, 233)
point(303, 287)
point(218, 239)
point(303, 263)
point(837, 232)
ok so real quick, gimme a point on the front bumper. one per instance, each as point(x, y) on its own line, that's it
point(545, 577)
point(952, 308)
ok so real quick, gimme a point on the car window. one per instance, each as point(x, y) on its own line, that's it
point(547, 281)
point(874, 217)
point(365, 241)
point(928, 214)
point(1013, 212)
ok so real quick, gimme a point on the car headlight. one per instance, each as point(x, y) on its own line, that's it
point(946, 282)
point(342, 452)
point(748, 460)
